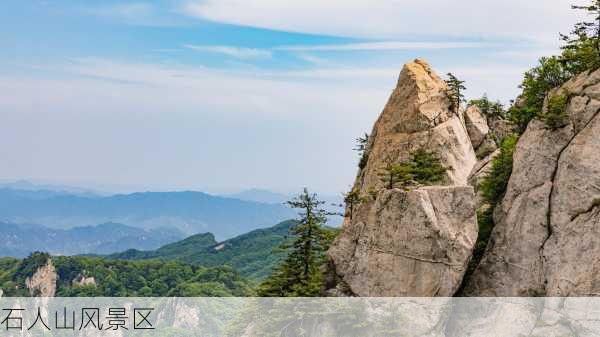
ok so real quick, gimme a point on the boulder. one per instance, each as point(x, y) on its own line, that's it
point(545, 241)
point(476, 124)
point(410, 243)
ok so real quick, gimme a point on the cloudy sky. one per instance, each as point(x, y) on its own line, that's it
point(224, 95)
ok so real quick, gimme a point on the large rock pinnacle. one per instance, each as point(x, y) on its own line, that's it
point(411, 242)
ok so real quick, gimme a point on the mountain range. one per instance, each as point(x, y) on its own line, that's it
point(19, 240)
point(190, 212)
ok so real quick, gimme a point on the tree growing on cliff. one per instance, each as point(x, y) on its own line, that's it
point(352, 199)
point(455, 92)
point(492, 110)
point(299, 274)
point(582, 46)
point(362, 147)
point(537, 83)
point(423, 168)
point(393, 173)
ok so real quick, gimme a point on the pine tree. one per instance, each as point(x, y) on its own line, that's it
point(455, 92)
point(582, 47)
point(299, 274)
point(423, 168)
point(362, 147)
point(352, 199)
point(393, 174)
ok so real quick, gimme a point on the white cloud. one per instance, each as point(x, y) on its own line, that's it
point(384, 45)
point(193, 127)
point(233, 51)
point(538, 20)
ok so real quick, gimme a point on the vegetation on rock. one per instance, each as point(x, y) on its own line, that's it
point(493, 188)
point(455, 92)
point(423, 168)
point(362, 147)
point(490, 109)
point(555, 115)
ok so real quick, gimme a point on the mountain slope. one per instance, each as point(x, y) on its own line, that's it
point(191, 212)
point(19, 240)
point(252, 254)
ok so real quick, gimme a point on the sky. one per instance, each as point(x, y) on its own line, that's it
point(226, 95)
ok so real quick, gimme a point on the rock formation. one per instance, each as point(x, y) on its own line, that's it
point(416, 242)
point(82, 281)
point(43, 282)
point(545, 241)
point(477, 126)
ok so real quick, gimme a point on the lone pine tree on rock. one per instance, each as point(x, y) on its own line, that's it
point(455, 92)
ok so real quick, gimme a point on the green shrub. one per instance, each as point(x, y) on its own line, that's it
point(494, 185)
point(551, 73)
point(556, 114)
point(488, 108)
point(30, 265)
point(423, 168)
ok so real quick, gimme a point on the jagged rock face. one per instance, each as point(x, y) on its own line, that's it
point(43, 282)
point(417, 116)
point(414, 243)
point(477, 126)
point(548, 224)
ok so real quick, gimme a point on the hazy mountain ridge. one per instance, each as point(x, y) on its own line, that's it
point(190, 212)
point(19, 240)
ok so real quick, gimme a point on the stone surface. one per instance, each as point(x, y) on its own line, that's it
point(412, 243)
point(84, 281)
point(547, 231)
point(43, 282)
point(417, 116)
point(476, 124)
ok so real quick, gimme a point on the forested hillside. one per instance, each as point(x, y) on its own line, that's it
point(253, 255)
point(92, 276)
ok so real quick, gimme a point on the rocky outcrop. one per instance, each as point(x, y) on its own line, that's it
point(545, 241)
point(413, 243)
point(83, 281)
point(486, 132)
point(417, 242)
point(43, 282)
point(481, 170)
point(477, 126)
point(417, 116)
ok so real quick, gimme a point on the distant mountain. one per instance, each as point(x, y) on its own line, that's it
point(190, 212)
point(25, 185)
point(260, 195)
point(251, 254)
point(19, 240)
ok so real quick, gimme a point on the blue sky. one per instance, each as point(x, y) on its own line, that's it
point(223, 95)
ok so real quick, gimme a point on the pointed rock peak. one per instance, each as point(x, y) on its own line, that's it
point(420, 72)
point(418, 103)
